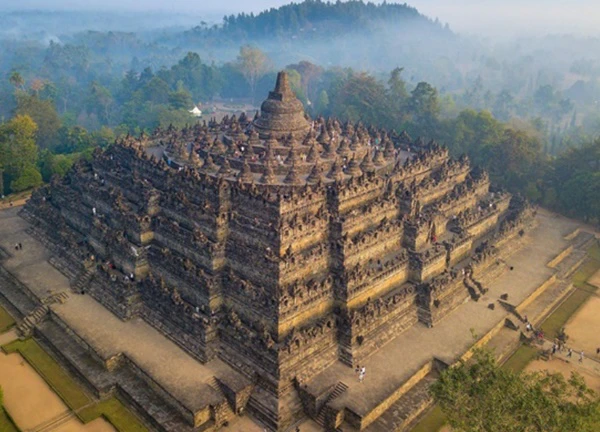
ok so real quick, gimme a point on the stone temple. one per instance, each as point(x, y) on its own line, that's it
point(287, 249)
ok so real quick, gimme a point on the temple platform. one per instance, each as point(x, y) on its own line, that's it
point(151, 369)
point(151, 359)
point(419, 351)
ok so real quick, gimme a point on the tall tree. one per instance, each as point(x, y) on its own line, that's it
point(424, 106)
point(43, 114)
point(18, 151)
point(253, 63)
point(17, 80)
point(309, 72)
point(479, 396)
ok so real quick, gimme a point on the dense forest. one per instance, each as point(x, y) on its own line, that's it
point(533, 122)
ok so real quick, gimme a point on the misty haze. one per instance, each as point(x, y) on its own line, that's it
point(266, 215)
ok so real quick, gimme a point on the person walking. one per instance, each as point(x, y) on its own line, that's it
point(570, 353)
point(581, 357)
point(361, 375)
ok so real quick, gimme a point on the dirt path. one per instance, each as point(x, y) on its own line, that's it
point(565, 368)
point(582, 328)
point(4, 204)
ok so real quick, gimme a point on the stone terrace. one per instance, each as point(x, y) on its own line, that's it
point(186, 379)
point(391, 366)
point(174, 370)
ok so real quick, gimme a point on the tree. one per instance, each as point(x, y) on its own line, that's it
point(362, 97)
point(72, 140)
point(253, 63)
point(397, 85)
point(17, 80)
point(43, 114)
point(514, 160)
point(181, 98)
point(479, 396)
point(156, 91)
point(100, 102)
point(17, 144)
point(308, 72)
point(29, 178)
point(398, 96)
point(424, 107)
point(55, 165)
point(18, 152)
point(322, 102)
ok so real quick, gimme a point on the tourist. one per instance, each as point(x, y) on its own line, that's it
point(569, 353)
point(20, 246)
point(16, 246)
point(581, 357)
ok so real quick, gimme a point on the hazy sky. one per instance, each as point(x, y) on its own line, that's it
point(491, 17)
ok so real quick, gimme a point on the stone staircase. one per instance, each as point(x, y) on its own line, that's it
point(82, 279)
point(60, 297)
point(26, 326)
point(339, 389)
point(227, 415)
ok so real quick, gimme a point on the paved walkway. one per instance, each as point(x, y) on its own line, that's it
point(397, 361)
point(176, 371)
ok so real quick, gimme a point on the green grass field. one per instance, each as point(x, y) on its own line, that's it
point(115, 413)
point(6, 321)
point(557, 320)
point(62, 383)
point(6, 423)
point(71, 392)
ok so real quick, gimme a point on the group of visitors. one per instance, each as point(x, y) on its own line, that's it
point(557, 346)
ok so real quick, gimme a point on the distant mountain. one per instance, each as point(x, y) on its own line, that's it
point(353, 33)
point(315, 19)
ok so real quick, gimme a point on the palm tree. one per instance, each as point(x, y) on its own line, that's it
point(17, 80)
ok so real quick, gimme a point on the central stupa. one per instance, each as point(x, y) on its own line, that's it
point(281, 113)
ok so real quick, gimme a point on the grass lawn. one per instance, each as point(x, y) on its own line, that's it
point(6, 321)
point(433, 421)
point(113, 411)
point(62, 383)
point(6, 423)
point(520, 358)
point(557, 320)
point(71, 392)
